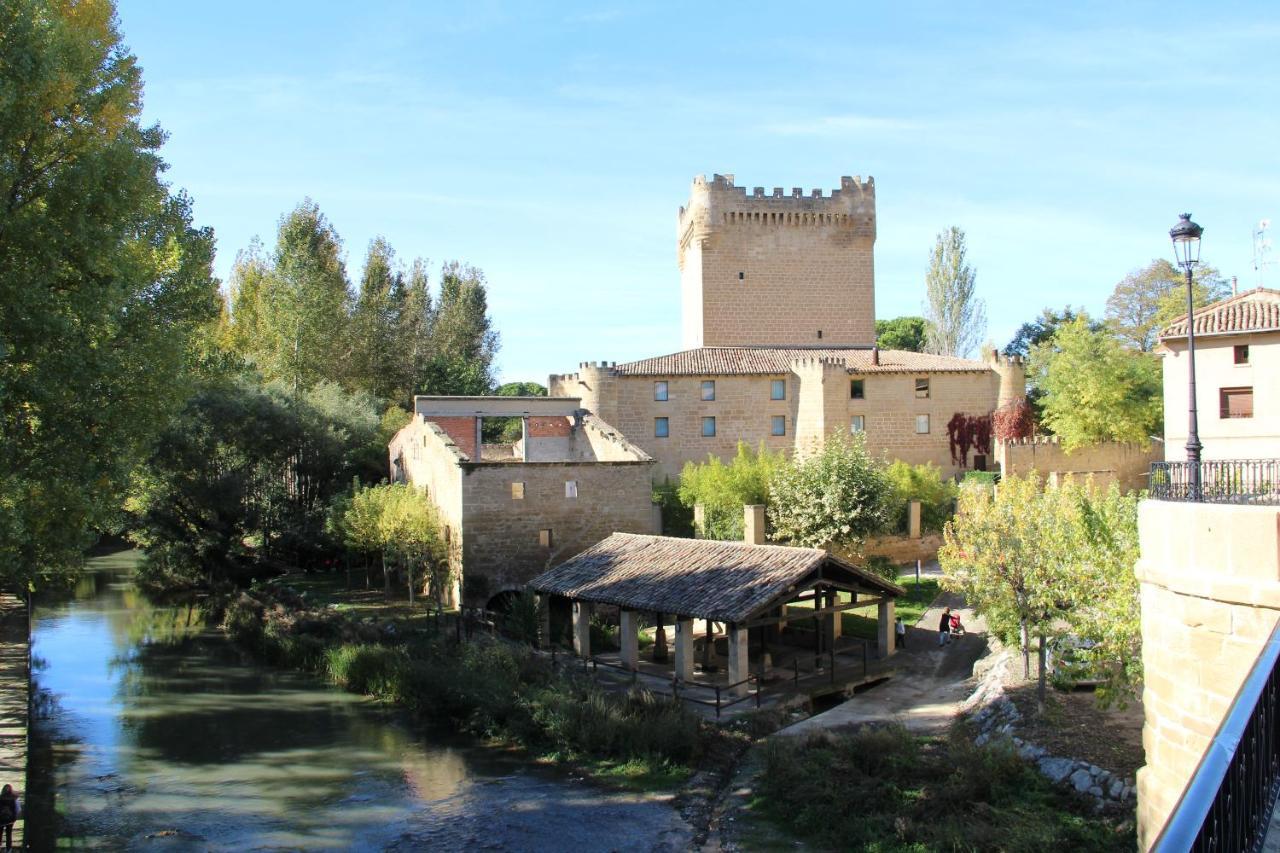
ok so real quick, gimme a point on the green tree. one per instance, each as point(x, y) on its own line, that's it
point(834, 498)
point(1030, 335)
point(399, 523)
point(1147, 300)
point(304, 303)
point(105, 284)
point(463, 342)
point(924, 483)
point(956, 318)
point(414, 325)
point(1094, 389)
point(375, 319)
point(723, 489)
point(1050, 563)
point(509, 430)
point(249, 275)
point(902, 333)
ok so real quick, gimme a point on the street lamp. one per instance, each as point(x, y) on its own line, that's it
point(1186, 250)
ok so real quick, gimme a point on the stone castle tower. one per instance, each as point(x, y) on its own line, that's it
point(777, 269)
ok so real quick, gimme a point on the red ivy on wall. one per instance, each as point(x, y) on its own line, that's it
point(1014, 420)
point(966, 433)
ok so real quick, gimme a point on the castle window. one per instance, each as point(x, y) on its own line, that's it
point(741, 276)
point(1235, 402)
point(517, 491)
point(922, 424)
point(708, 427)
point(819, 334)
point(1241, 354)
point(708, 390)
point(779, 426)
point(858, 423)
point(660, 391)
point(661, 427)
point(570, 488)
point(778, 389)
point(922, 389)
point(544, 537)
point(857, 389)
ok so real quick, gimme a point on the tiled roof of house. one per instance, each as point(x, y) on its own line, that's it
point(1256, 310)
point(712, 361)
point(703, 578)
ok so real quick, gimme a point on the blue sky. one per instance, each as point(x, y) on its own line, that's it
point(551, 145)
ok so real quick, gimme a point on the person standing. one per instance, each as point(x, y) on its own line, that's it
point(10, 808)
point(901, 631)
point(944, 627)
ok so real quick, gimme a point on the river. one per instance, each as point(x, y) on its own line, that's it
point(151, 733)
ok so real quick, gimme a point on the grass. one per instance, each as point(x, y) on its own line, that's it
point(861, 622)
point(883, 789)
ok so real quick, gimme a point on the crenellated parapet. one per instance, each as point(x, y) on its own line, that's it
point(719, 204)
point(1011, 373)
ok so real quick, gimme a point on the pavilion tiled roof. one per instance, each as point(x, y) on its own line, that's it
point(713, 361)
point(1256, 310)
point(703, 578)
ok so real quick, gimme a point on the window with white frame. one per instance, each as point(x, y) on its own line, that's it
point(660, 391)
point(570, 488)
point(708, 390)
point(922, 424)
point(858, 423)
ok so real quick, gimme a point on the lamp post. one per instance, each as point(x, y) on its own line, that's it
point(1186, 249)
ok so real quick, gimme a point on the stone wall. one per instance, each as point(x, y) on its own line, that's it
point(504, 545)
point(772, 269)
point(1257, 437)
point(744, 411)
point(1109, 462)
point(1210, 579)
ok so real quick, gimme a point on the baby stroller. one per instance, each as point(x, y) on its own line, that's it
point(957, 630)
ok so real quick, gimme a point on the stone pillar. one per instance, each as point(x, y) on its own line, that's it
point(479, 439)
point(629, 638)
point(739, 655)
point(659, 639)
point(524, 439)
point(884, 627)
point(582, 629)
point(544, 621)
point(1209, 576)
point(837, 618)
point(827, 622)
point(684, 649)
point(913, 519)
point(699, 521)
point(753, 524)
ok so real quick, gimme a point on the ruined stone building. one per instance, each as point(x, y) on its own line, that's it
point(778, 309)
point(509, 511)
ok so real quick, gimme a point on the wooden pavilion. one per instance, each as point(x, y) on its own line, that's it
point(743, 586)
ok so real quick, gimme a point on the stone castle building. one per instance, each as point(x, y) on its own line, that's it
point(779, 317)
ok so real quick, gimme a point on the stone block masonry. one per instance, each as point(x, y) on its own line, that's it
point(1210, 581)
point(769, 269)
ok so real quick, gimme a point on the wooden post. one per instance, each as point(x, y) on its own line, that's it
point(837, 618)
point(913, 519)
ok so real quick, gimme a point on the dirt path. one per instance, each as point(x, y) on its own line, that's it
point(929, 683)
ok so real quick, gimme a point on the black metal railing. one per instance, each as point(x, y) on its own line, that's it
point(1227, 805)
point(1231, 481)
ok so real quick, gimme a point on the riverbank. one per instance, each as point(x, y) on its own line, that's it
point(15, 682)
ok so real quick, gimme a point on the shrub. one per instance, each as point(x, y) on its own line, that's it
point(923, 483)
point(724, 489)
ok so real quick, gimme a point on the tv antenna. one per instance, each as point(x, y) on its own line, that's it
point(1262, 250)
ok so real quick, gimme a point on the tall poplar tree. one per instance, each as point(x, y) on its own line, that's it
point(463, 341)
point(304, 303)
point(374, 339)
point(105, 283)
point(414, 324)
point(957, 318)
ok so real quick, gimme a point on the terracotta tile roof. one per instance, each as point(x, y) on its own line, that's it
point(1256, 310)
point(712, 361)
point(703, 578)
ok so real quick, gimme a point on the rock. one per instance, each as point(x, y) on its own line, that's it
point(1081, 780)
point(1096, 791)
point(1030, 751)
point(1103, 778)
point(1017, 742)
point(1116, 790)
point(1056, 769)
point(981, 740)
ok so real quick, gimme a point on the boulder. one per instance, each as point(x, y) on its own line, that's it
point(1056, 769)
point(1081, 780)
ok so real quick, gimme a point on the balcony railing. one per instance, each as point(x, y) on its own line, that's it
point(1231, 481)
point(1227, 805)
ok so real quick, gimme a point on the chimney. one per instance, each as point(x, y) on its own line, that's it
point(875, 356)
point(1234, 286)
point(753, 524)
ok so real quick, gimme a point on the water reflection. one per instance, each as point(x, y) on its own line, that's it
point(152, 733)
